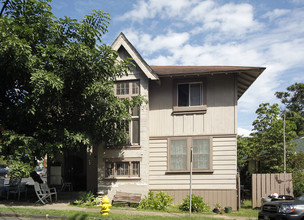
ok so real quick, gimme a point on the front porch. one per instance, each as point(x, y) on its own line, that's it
point(76, 169)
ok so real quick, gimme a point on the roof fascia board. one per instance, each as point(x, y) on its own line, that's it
point(121, 40)
point(259, 70)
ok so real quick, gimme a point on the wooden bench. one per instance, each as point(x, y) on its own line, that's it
point(124, 197)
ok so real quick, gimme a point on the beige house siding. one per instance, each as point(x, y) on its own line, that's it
point(222, 179)
point(160, 120)
point(210, 196)
point(224, 165)
point(220, 117)
point(218, 122)
point(138, 185)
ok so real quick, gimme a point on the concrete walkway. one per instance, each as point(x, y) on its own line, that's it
point(66, 206)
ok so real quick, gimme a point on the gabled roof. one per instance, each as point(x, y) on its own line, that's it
point(246, 75)
point(121, 40)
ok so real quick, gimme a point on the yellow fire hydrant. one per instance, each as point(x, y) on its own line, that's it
point(105, 206)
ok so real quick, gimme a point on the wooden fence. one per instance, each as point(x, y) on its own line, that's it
point(267, 184)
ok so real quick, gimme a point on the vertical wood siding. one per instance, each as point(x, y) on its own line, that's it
point(264, 185)
point(220, 117)
point(211, 197)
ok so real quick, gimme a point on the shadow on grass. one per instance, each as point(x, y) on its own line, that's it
point(79, 217)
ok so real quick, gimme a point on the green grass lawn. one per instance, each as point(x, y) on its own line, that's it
point(246, 211)
point(81, 215)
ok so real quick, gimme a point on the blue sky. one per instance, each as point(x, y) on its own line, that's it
point(267, 33)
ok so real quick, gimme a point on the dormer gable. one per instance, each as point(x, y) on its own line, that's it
point(122, 41)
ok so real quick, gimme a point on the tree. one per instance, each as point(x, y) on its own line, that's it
point(267, 139)
point(244, 155)
point(294, 100)
point(265, 146)
point(56, 88)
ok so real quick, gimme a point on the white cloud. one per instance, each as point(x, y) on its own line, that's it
point(232, 19)
point(262, 90)
point(279, 46)
point(276, 13)
point(244, 132)
point(140, 11)
point(300, 2)
point(157, 8)
point(148, 45)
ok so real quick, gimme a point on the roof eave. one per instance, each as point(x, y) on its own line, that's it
point(121, 40)
point(245, 75)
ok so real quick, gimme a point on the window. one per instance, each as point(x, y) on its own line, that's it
point(179, 154)
point(122, 169)
point(122, 88)
point(201, 153)
point(126, 89)
point(129, 89)
point(189, 94)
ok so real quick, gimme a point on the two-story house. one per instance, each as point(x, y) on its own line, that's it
point(189, 107)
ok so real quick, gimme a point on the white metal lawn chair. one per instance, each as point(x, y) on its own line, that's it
point(46, 190)
point(42, 197)
point(66, 185)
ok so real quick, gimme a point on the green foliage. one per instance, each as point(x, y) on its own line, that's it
point(87, 199)
point(244, 152)
point(265, 146)
point(19, 169)
point(161, 201)
point(294, 100)
point(197, 204)
point(267, 139)
point(298, 182)
point(2, 161)
point(56, 82)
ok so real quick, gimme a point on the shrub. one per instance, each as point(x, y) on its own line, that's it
point(197, 204)
point(298, 182)
point(160, 202)
point(18, 169)
point(87, 199)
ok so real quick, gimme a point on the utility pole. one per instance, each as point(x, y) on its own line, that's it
point(190, 199)
point(284, 139)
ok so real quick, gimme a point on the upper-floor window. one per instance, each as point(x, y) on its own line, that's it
point(189, 94)
point(129, 89)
